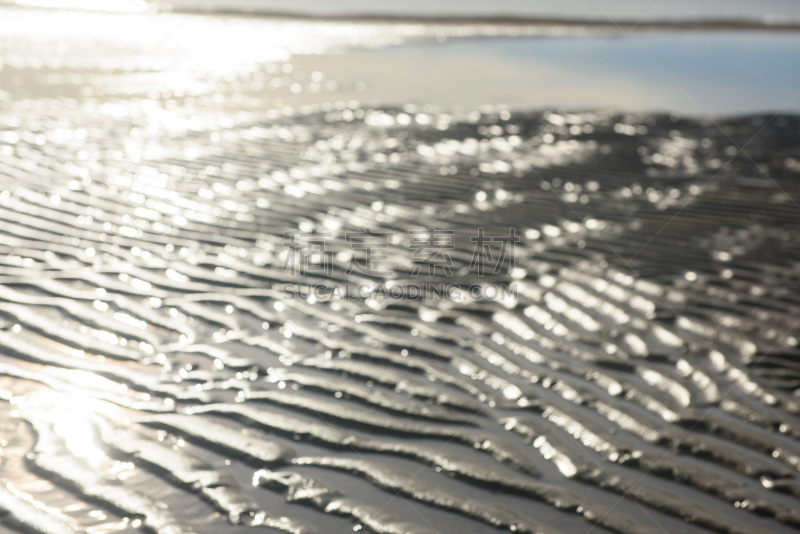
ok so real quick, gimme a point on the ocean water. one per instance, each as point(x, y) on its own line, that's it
point(712, 72)
point(694, 73)
point(774, 11)
point(618, 10)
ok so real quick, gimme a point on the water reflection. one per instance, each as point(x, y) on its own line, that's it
point(72, 416)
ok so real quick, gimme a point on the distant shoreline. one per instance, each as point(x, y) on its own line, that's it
point(711, 24)
point(500, 20)
point(741, 24)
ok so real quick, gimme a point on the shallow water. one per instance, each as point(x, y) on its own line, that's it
point(695, 73)
point(173, 361)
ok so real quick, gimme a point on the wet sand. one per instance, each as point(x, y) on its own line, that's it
point(198, 335)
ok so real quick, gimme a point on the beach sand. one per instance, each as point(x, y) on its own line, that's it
point(401, 278)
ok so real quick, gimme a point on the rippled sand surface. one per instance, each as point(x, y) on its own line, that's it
point(166, 367)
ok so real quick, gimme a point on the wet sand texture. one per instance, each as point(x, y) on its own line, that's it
point(157, 376)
